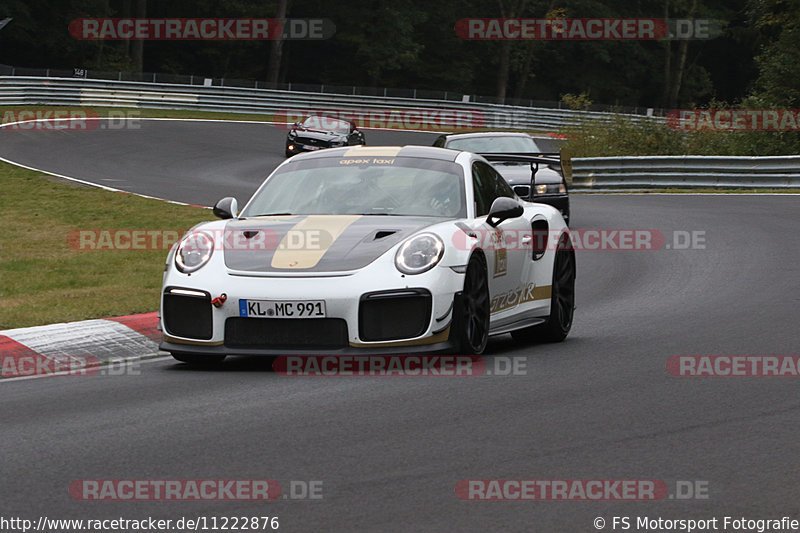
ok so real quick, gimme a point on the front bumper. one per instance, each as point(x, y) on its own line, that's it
point(298, 146)
point(445, 347)
point(344, 298)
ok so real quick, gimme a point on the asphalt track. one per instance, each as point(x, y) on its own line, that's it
point(390, 451)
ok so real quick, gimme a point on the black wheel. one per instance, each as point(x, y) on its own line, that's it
point(198, 359)
point(472, 312)
point(562, 303)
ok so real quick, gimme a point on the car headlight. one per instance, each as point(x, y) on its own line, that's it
point(419, 254)
point(550, 188)
point(194, 251)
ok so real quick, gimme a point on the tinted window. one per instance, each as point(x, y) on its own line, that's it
point(333, 125)
point(498, 144)
point(484, 185)
point(488, 186)
point(363, 185)
point(503, 188)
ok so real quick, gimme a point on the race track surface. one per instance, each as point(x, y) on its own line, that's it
point(390, 451)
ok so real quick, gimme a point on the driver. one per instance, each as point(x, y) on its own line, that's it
point(440, 197)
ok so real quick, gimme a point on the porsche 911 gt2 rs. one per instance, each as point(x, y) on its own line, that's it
point(374, 250)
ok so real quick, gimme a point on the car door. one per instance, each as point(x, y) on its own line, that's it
point(504, 253)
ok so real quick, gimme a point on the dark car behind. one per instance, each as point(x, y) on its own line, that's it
point(318, 132)
point(550, 186)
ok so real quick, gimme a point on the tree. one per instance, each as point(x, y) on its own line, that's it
point(276, 48)
point(778, 22)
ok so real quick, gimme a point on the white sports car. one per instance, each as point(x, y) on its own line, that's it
point(374, 250)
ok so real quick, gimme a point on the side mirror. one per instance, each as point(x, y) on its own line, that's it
point(226, 208)
point(502, 209)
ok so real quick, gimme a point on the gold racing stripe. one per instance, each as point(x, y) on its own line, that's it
point(520, 295)
point(369, 151)
point(327, 228)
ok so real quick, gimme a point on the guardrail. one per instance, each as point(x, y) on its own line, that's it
point(446, 115)
point(686, 172)
point(386, 92)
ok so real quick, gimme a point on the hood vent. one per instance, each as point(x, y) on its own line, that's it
point(380, 234)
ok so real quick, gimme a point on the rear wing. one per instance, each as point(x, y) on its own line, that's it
point(564, 162)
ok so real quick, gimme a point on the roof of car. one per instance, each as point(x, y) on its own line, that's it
point(426, 152)
point(486, 134)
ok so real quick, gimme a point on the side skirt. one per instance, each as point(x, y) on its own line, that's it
point(510, 325)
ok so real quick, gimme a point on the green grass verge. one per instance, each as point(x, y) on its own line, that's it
point(43, 279)
point(622, 137)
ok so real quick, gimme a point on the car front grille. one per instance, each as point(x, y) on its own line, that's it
point(308, 333)
point(393, 315)
point(311, 142)
point(188, 316)
point(523, 191)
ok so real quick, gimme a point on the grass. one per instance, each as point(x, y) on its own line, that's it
point(44, 279)
point(621, 137)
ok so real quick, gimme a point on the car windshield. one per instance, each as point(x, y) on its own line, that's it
point(362, 185)
point(326, 124)
point(499, 144)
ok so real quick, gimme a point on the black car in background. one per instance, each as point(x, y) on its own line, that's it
point(317, 132)
point(550, 186)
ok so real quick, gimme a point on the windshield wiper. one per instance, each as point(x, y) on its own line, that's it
point(271, 215)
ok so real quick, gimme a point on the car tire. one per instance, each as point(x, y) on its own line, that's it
point(562, 306)
point(471, 319)
point(195, 359)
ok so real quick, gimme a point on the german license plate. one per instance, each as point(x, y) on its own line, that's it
point(282, 308)
point(310, 147)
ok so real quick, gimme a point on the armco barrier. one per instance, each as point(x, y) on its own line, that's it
point(686, 172)
point(20, 90)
